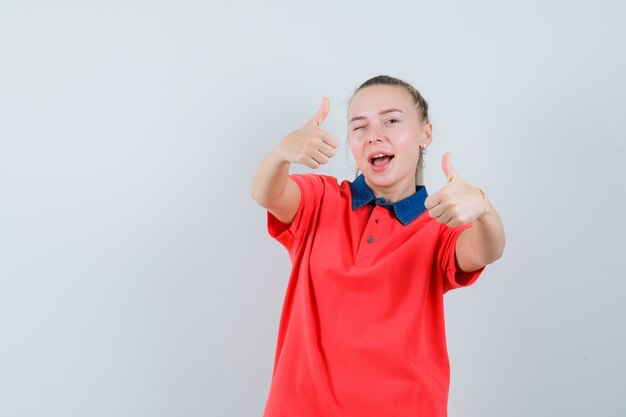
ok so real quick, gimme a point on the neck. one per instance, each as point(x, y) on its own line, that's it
point(395, 192)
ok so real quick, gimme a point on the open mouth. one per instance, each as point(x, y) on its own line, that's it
point(380, 160)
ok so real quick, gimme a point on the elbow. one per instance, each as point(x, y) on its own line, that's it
point(500, 251)
point(497, 253)
point(256, 197)
point(489, 256)
point(261, 198)
point(252, 194)
point(256, 192)
point(496, 256)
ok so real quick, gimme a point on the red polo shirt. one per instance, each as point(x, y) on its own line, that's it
point(362, 327)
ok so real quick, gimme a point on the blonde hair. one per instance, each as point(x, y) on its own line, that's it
point(420, 103)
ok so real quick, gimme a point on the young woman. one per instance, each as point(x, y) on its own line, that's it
point(362, 327)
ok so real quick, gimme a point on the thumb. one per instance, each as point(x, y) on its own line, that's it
point(446, 164)
point(322, 112)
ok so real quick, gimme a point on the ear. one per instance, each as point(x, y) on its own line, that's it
point(427, 135)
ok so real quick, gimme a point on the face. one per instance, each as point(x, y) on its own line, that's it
point(385, 134)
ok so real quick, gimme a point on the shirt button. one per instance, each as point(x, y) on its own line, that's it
point(370, 239)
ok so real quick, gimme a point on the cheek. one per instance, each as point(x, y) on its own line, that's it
point(354, 147)
point(357, 154)
point(410, 149)
point(412, 141)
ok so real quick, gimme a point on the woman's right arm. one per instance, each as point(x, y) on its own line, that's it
point(311, 146)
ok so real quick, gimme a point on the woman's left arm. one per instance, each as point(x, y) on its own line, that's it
point(483, 243)
point(459, 203)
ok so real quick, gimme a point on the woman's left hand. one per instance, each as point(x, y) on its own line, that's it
point(458, 202)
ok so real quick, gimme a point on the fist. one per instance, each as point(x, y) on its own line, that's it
point(457, 203)
point(310, 145)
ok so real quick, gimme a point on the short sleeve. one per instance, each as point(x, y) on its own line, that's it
point(453, 277)
point(292, 235)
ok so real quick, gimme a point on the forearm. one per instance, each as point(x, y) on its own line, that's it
point(270, 179)
point(310, 146)
point(486, 239)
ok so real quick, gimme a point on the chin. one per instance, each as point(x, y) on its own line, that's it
point(380, 180)
point(388, 179)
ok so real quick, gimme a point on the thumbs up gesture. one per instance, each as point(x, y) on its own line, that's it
point(458, 202)
point(310, 145)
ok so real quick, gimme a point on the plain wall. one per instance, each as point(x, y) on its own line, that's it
point(136, 274)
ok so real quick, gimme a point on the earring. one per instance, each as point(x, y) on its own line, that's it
point(424, 151)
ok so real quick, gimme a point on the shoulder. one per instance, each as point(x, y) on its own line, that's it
point(318, 182)
point(312, 177)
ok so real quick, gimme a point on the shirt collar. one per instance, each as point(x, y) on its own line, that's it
point(405, 210)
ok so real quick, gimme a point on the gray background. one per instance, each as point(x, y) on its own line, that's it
point(136, 274)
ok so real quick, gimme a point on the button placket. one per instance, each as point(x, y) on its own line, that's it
point(369, 239)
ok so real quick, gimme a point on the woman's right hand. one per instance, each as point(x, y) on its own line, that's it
point(310, 145)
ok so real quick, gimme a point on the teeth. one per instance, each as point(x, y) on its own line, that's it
point(380, 155)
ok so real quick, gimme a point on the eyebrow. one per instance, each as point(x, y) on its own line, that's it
point(355, 118)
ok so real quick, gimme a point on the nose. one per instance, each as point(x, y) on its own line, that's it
point(374, 136)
